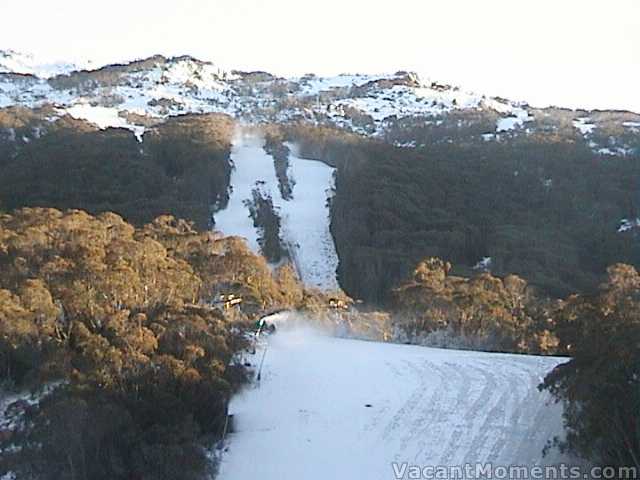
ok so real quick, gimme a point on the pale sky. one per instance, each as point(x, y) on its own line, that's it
point(563, 52)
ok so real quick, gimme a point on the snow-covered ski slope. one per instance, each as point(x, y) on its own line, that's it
point(304, 218)
point(308, 417)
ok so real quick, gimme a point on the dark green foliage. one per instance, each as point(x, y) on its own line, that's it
point(181, 168)
point(600, 385)
point(544, 208)
point(267, 220)
point(274, 146)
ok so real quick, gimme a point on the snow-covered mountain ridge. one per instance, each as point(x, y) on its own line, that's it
point(27, 64)
point(392, 107)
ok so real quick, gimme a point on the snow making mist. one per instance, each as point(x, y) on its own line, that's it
point(294, 328)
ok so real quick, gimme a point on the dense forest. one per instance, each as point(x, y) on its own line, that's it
point(118, 321)
point(181, 168)
point(112, 311)
point(545, 208)
point(482, 312)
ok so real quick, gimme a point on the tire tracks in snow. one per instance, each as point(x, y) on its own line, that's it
point(411, 404)
point(500, 420)
point(448, 372)
point(492, 420)
point(431, 416)
point(453, 443)
point(518, 383)
point(406, 414)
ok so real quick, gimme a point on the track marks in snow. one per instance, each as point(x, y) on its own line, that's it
point(427, 407)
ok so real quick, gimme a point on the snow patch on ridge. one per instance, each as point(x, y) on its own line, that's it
point(27, 64)
point(584, 126)
point(370, 105)
point(626, 224)
point(633, 126)
point(517, 119)
point(104, 117)
point(313, 85)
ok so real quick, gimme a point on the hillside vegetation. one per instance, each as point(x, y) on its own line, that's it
point(181, 168)
point(600, 386)
point(467, 238)
point(119, 318)
point(544, 208)
point(481, 313)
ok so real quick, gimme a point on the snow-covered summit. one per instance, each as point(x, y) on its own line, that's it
point(28, 64)
point(391, 107)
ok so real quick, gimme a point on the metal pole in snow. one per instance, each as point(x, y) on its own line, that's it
point(264, 354)
point(226, 424)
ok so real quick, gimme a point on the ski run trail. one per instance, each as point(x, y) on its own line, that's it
point(330, 408)
point(304, 218)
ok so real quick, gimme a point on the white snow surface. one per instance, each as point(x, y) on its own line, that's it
point(104, 117)
point(626, 224)
point(584, 125)
point(427, 100)
point(313, 85)
point(517, 119)
point(484, 264)
point(28, 64)
point(304, 219)
point(308, 417)
point(251, 166)
point(185, 85)
point(614, 151)
point(160, 87)
point(306, 222)
point(8, 419)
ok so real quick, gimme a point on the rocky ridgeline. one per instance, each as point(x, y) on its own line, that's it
point(399, 108)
